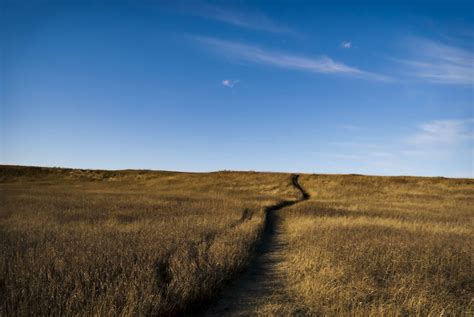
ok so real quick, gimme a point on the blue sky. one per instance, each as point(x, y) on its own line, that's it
point(370, 87)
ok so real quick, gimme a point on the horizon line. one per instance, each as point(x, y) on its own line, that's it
point(230, 171)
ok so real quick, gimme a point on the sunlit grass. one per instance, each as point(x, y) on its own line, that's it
point(78, 242)
point(381, 246)
point(126, 243)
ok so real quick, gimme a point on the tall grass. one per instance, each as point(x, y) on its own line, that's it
point(381, 246)
point(82, 242)
point(126, 243)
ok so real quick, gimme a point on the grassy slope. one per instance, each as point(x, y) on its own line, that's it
point(127, 242)
point(147, 242)
point(382, 245)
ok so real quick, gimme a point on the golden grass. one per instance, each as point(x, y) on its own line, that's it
point(81, 242)
point(381, 246)
point(126, 243)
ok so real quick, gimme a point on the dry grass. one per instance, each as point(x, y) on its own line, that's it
point(381, 246)
point(125, 243)
point(77, 242)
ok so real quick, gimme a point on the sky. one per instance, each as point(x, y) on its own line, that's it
point(366, 87)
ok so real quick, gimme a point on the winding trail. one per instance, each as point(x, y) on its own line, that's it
point(260, 286)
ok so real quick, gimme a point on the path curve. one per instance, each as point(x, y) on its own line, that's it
point(261, 281)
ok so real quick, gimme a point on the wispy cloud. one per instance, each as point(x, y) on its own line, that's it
point(439, 63)
point(337, 156)
point(229, 82)
point(351, 127)
point(382, 154)
point(322, 64)
point(246, 19)
point(435, 133)
point(346, 44)
point(355, 145)
point(447, 132)
point(423, 150)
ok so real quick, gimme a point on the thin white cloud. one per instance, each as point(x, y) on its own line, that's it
point(346, 44)
point(246, 19)
point(440, 63)
point(229, 83)
point(351, 127)
point(430, 145)
point(356, 145)
point(382, 154)
point(322, 64)
point(339, 156)
point(410, 152)
point(447, 132)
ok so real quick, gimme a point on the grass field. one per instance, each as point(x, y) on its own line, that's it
point(125, 243)
point(382, 246)
point(81, 242)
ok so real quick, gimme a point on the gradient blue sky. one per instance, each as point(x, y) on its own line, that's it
point(325, 87)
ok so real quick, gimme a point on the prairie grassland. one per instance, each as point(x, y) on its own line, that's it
point(81, 242)
point(381, 246)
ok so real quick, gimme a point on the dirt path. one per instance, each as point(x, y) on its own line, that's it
point(260, 289)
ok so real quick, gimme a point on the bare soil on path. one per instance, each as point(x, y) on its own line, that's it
point(260, 289)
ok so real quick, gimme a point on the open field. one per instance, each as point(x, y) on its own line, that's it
point(163, 243)
point(381, 246)
point(126, 243)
